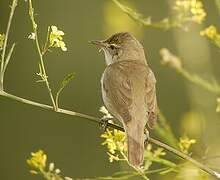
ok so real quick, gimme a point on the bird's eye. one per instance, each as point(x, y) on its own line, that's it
point(112, 47)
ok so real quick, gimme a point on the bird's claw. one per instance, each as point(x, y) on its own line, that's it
point(146, 137)
point(104, 122)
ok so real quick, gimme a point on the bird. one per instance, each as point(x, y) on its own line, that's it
point(128, 88)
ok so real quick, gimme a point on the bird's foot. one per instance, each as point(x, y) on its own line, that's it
point(146, 136)
point(104, 122)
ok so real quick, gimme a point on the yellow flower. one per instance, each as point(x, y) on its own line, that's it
point(211, 33)
point(38, 160)
point(38, 163)
point(115, 142)
point(56, 39)
point(185, 143)
point(190, 10)
point(2, 38)
point(153, 153)
point(185, 5)
point(197, 11)
point(159, 152)
point(113, 157)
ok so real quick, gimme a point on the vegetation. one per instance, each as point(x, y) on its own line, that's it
point(186, 13)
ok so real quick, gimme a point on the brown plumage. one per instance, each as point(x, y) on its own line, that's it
point(128, 90)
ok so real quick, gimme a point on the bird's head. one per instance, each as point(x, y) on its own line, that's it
point(121, 46)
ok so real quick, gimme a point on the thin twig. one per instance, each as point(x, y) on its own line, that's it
point(165, 23)
point(174, 62)
point(13, 7)
point(186, 157)
point(97, 120)
point(139, 171)
point(48, 107)
point(63, 111)
point(45, 47)
point(163, 130)
point(8, 58)
point(195, 79)
point(31, 13)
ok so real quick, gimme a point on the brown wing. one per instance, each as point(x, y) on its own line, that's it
point(116, 91)
point(151, 99)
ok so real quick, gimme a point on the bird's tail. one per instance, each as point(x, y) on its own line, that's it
point(135, 143)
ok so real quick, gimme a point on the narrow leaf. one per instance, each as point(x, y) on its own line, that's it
point(63, 84)
point(66, 81)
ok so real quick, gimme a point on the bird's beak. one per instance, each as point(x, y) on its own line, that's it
point(101, 44)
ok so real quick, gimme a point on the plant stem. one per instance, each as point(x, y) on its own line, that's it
point(186, 157)
point(139, 172)
point(31, 13)
point(97, 120)
point(13, 7)
point(57, 98)
point(175, 63)
point(8, 58)
point(163, 24)
point(195, 79)
point(48, 107)
point(163, 130)
point(217, 2)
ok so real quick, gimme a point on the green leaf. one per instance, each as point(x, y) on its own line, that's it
point(66, 81)
point(122, 173)
point(63, 84)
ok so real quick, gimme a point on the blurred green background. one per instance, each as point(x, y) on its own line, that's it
point(73, 143)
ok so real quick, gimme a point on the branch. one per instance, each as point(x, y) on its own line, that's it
point(175, 63)
point(182, 18)
point(137, 17)
point(31, 13)
point(212, 87)
point(13, 7)
point(8, 58)
point(163, 130)
point(97, 120)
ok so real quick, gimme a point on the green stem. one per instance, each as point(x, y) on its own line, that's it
point(48, 107)
point(8, 58)
point(186, 157)
point(175, 63)
point(13, 7)
point(211, 87)
point(97, 120)
point(46, 46)
point(163, 24)
point(136, 169)
point(217, 2)
point(157, 170)
point(57, 98)
point(31, 13)
point(164, 131)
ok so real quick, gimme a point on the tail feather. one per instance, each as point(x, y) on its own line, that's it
point(135, 143)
